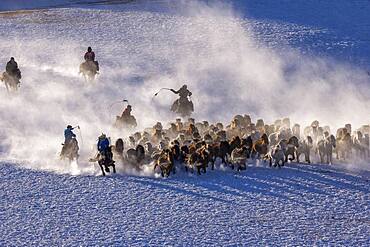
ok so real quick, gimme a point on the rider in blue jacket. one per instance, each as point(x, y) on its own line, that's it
point(68, 134)
point(103, 143)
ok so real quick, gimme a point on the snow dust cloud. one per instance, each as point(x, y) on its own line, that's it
point(208, 47)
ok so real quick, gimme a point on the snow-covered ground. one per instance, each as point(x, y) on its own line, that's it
point(257, 57)
point(300, 205)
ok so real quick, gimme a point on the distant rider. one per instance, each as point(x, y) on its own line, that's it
point(68, 141)
point(90, 57)
point(126, 119)
point(183, 92)
point(183, 104)
point(12, 68)
point(126, 114)
point(68, 134)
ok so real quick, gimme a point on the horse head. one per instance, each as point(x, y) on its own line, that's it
point(294, 141)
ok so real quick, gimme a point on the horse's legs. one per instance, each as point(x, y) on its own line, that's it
point(327, 157)
point(198, 169)
point(287, 157)
point(166, 172)
point(114, 168)
point(7, 86)
point(242, 166)
point(173, 168)
point(293, 157)
point(223, 160)
point(106, 168)
point(102, 169)
point(204, 167)
point(226, 160)
point(282, 164)
point(307, 156)
point(298, 154)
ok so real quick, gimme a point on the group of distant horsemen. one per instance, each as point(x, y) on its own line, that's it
point(12, 75)
point(198, 145)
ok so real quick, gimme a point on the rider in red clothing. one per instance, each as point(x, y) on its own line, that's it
point(126, 114)
point(89, 55)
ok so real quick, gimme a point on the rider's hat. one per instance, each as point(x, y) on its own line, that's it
point(69, 127)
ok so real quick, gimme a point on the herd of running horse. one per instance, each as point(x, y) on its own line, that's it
point(198, 146)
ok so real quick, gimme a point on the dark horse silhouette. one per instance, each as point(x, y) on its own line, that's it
point(105, 160)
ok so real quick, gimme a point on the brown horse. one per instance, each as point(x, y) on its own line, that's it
point(136, 156)
point(118, 148)
point(199, 159)
point(344, 146)
point(221, 150)
point(70, 150)
point(260, 147)
point(165, 162)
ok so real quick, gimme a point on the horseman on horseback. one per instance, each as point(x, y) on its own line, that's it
point(126, 120)
point(12, 75)
point(70, 146)
point(183, 105)
point(105, 155)
point(68, 134)
point(90, 67)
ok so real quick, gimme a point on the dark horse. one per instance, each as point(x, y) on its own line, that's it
point(105, 160)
